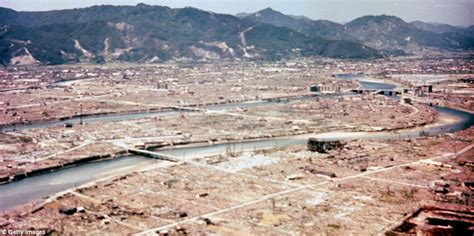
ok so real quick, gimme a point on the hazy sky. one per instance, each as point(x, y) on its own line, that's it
point(455, 12)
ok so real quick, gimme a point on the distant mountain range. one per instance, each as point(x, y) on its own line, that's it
point(388, 33)
point(145, 33)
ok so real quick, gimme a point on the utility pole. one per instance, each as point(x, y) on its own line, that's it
point(81, 114)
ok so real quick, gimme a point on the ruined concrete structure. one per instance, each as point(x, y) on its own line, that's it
point(430, 220)
point(321, 146)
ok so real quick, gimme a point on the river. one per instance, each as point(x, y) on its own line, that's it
point(362, 79)
point(147, 114)
point(39, 186)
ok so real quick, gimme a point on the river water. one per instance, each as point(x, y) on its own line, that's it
point(87, 119)
point(39, 186)
point(147, 114)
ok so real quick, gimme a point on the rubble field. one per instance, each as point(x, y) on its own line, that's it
point(29, 150)
point(279, 191)
point(55, 117)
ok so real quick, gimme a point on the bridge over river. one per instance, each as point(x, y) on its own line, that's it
point(386, 92)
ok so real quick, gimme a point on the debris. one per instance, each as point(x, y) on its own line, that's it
point(202, 195)
point(374, 168)
point(439, 186)
point(81, 209)
point(204, 221)
point(167, 213)
point(436, 163)
point(181, 214)
point(67, 210)
point(180, 230)
point(435, 221)
point(469, 184)
point(294, 177)
point(320, 172)
point(316, 145)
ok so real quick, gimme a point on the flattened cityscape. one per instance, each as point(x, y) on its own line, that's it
point(225, 148)
point(297, 146)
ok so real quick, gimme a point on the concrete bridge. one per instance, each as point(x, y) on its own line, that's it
point(151, 154)
point(387, 92)
point(142, 152)
point(189, 109)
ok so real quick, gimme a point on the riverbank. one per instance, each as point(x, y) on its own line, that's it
point(142, 113)
point(90, 159)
